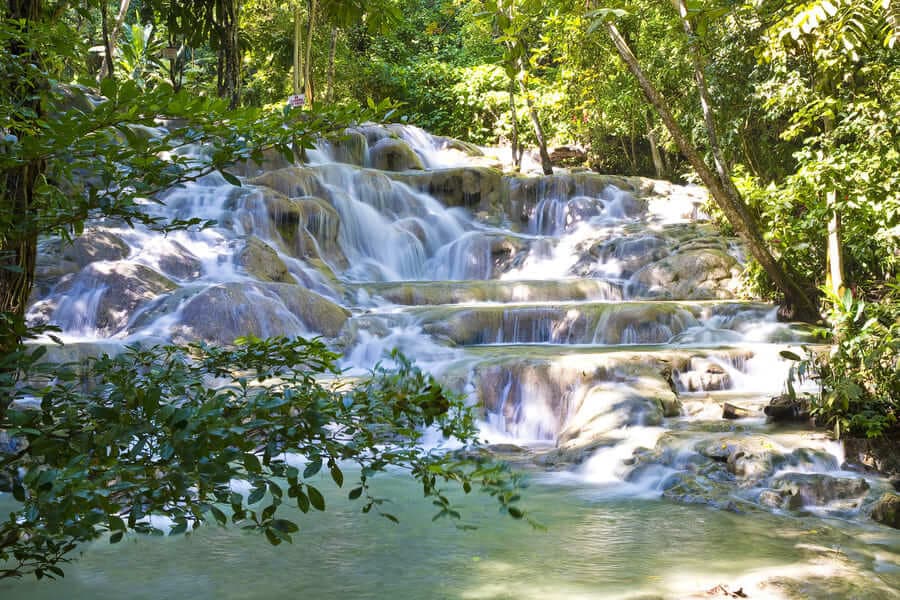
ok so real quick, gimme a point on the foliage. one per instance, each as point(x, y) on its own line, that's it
point(860, 373)
point(176, 432)
point(164, 431)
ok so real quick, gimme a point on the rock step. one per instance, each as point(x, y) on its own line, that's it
point(599, 323)
point(418, 293)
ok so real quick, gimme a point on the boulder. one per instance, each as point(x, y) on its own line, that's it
point(733, 411)
point(787, 408)
point(816, 489)
point(565, 156)
point(748, 457)
point(322, 222)
point(260, 261)
point(692, 274)
point(57, 258)
point(103, 297)
point(293, 182)
point(886, 510)
point(479, 188)
point(177, 262)
point(350, 147)
point(221, 313)
point(626, 253)
point(704, 375)
point(389, 154)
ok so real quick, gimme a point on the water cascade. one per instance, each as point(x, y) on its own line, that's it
point(594, 319)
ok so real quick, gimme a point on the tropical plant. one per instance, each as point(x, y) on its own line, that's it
point(146, 435)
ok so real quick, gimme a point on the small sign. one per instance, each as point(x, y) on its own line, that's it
point(296, 101)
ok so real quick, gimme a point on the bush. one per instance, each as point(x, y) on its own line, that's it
point(860, 375)
point(165, 431)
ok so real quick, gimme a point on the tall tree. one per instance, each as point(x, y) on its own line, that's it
point(798, 300)
point(21, 101)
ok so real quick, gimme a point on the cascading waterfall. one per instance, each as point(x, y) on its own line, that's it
point(596, 326)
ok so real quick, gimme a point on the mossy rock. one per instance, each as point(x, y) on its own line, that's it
point(886, 510)
point(394, 155)
point(259, 260)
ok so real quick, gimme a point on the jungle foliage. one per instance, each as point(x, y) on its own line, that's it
point(804, 97)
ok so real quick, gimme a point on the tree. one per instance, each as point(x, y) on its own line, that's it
point(511, 22)
point(146, 433)
point(722, 189)
point(149, 437)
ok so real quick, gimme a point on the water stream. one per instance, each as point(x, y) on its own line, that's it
point(592, 318)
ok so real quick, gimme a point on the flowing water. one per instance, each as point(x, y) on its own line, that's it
point(592, 318)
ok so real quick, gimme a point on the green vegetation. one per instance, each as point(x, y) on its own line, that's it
point(787, 111)
point(143, 434)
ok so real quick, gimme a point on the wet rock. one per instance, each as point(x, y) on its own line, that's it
point(628, 254)
point(886, 510)
point(507, 253)
point(221, 313)
point(293, 182)
point(470, 187)
point(786, 408)
point(390, 154)
point(103, 297)
point(461, 146)
point(690, 488)
point(270, 160)
point(350, 147)
point(607, 407)
point(815, 489)
point(259, 260)
point(750, 457)
point(882, 454)
point(692, 274)
point(57, 258)
point(771, 498)
point(733, 411)
point(322, 222)
point(704, 375)
point(177, 262)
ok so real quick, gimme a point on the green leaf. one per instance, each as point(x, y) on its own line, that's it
point(285, 526)
point(355, 493)
point(230, 178)
point(302, 501)
point(116, 537)
point(251, 463)
point(218, 515)
point(315, 498)
point(312, 468)
point(337, 476)
point(116, 523)
point(256, 494)
point(790, 355)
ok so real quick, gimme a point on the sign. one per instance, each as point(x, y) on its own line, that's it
point(296, 101)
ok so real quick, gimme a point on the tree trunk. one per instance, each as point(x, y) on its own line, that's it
point(296, 80)
point(108, 67)
point(658, 166)
point(546, 165)
point(516, 155)
point(724, 193)
point(332, 52)
point(229, 55)
point(705, 102)
point(834, 256)
point(18, 244)
point(307, 66)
